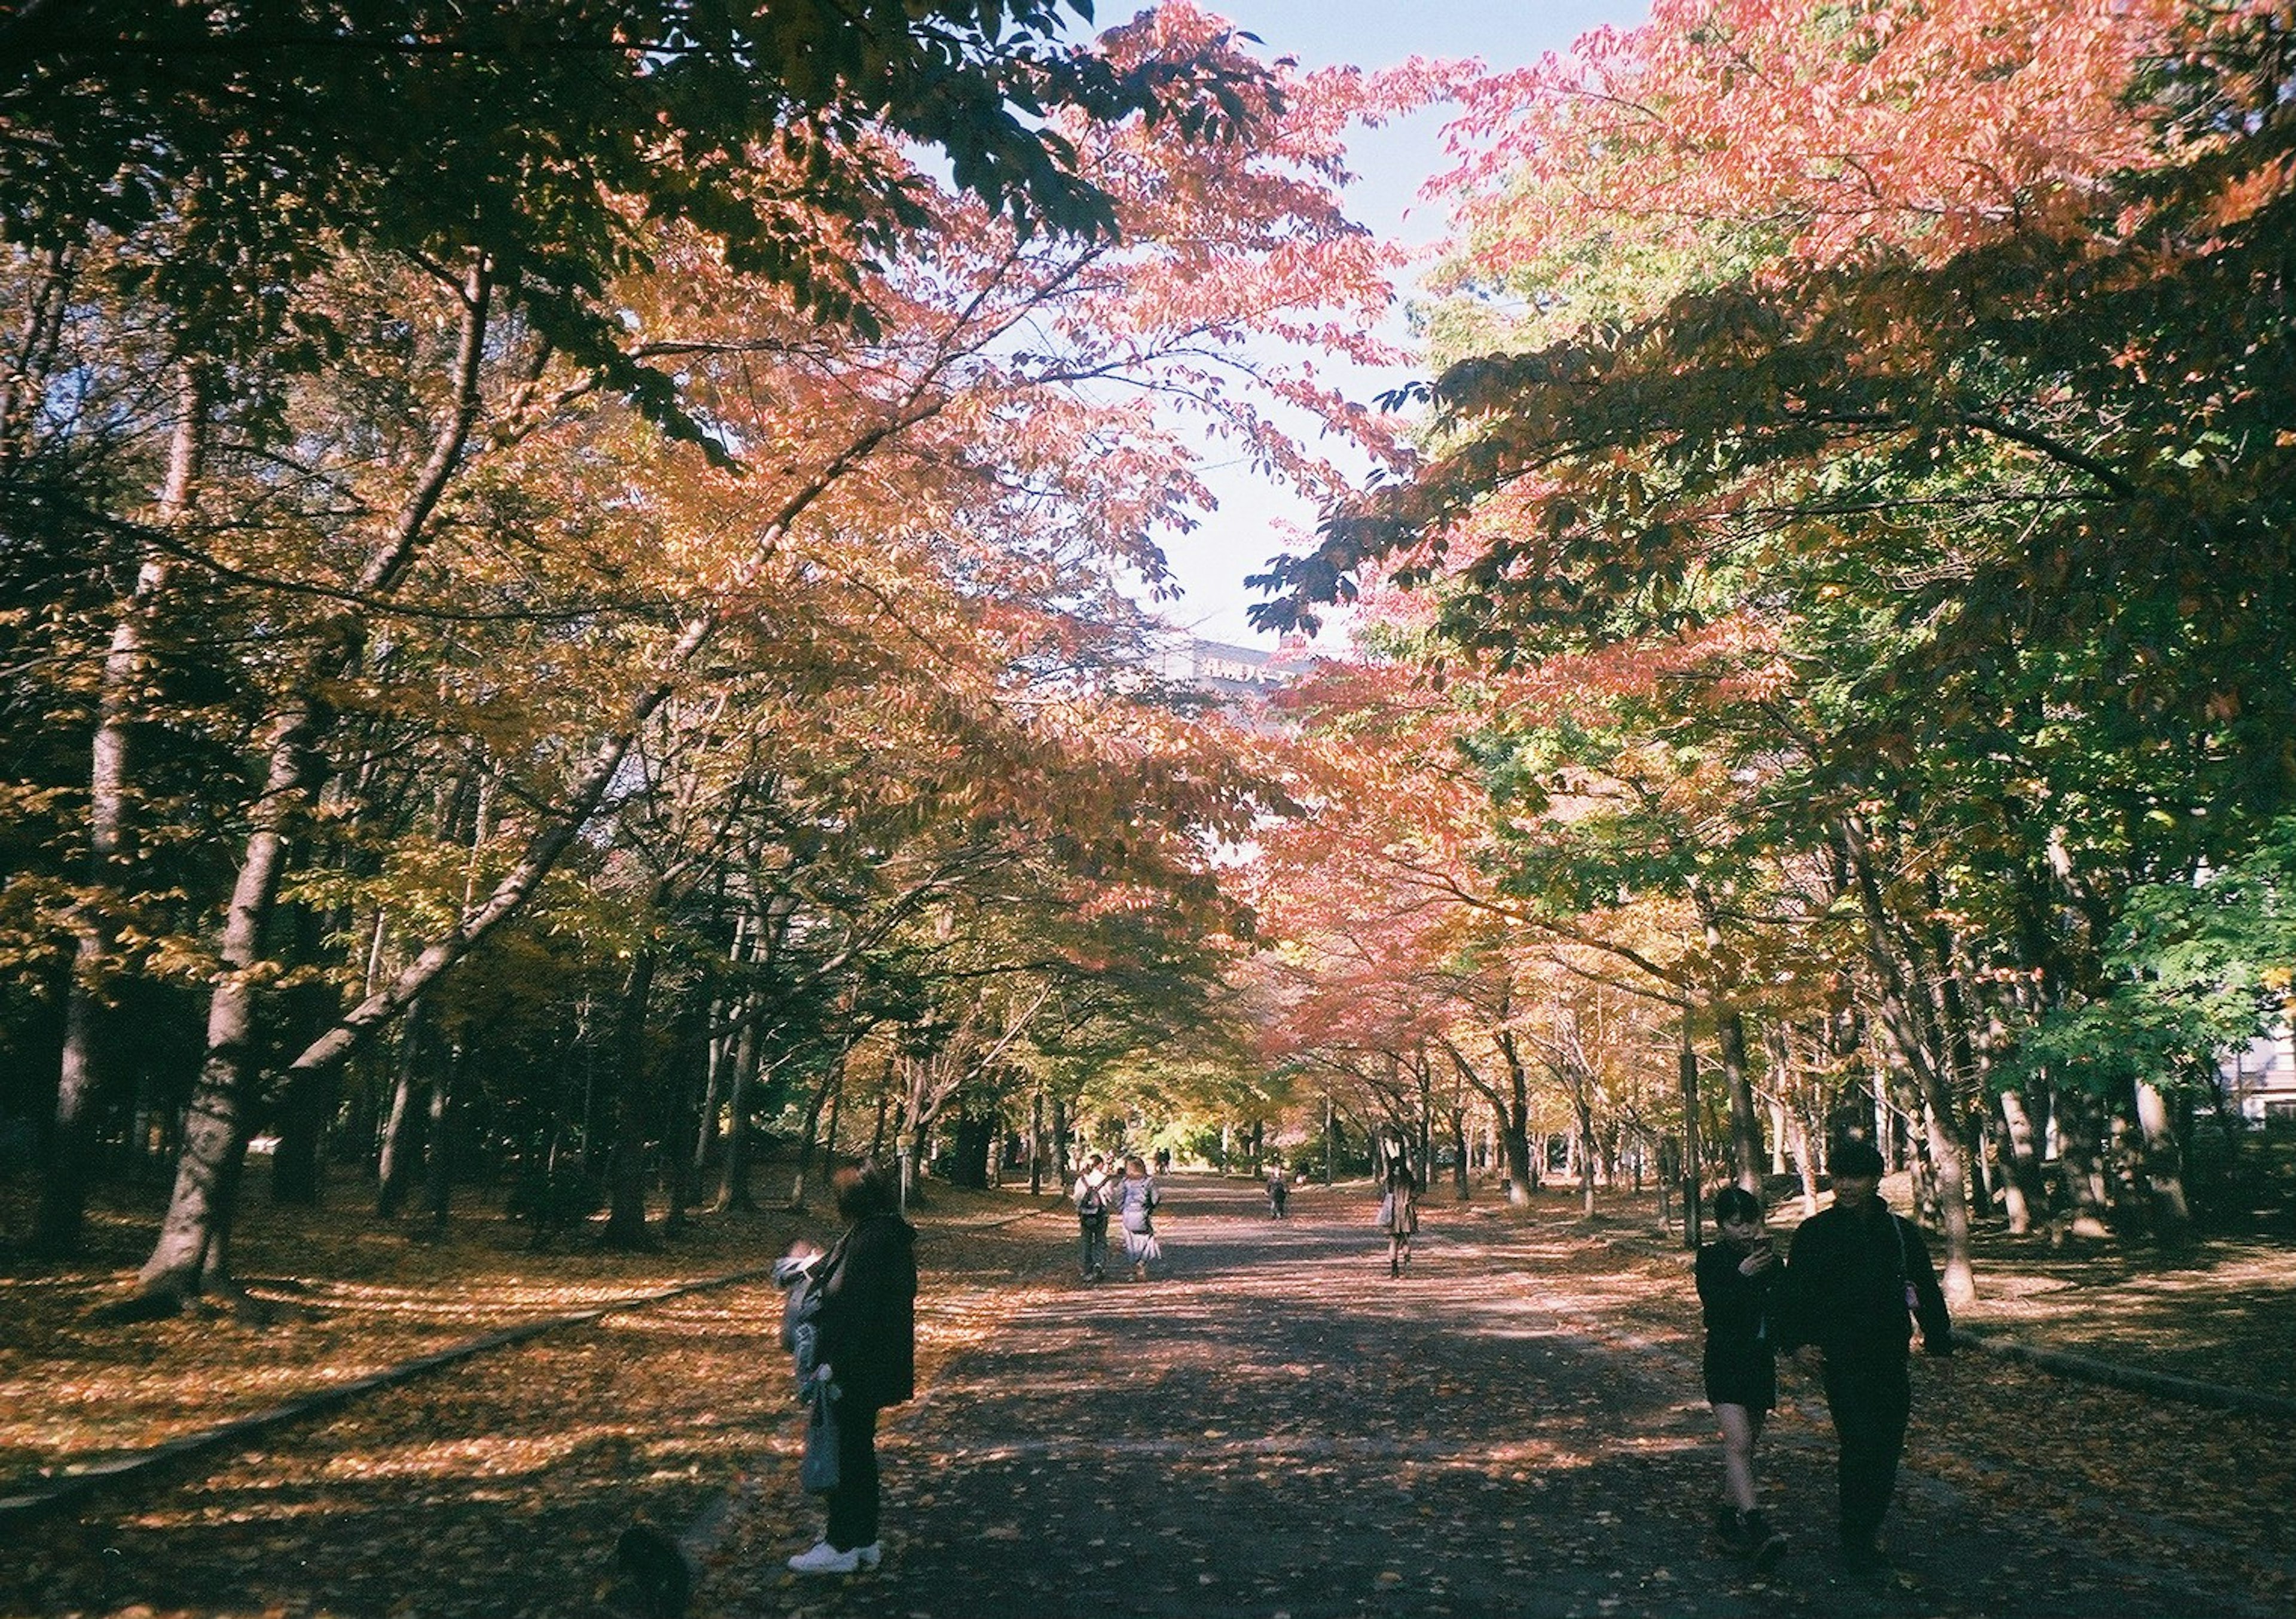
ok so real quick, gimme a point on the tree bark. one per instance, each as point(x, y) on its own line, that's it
point(1900, 972)
point(1745, 1124)
point(440, 1177)
point(2163, 1165)
point(83, 1069)
point(398, 1122)
point(186, 1257)
point(626, 1173)
point(2021, 1163)
point(734, 1188)
point(297, 731)
point(2081, 1161)
point(813, 1106)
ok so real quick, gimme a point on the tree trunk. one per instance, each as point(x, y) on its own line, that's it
point(193, 1252)
point(626, 1171)
point(1805, 1161)
point(1901, 1010)
point(1522, 1176)
point(734, 1188)
point(187, 1256)
point(1745, 1124)
point(1036, 1142)
point(398, 1150)
point(440, 1183)
point(718, 1064)
point(1586, 1153)
point(2021, 1163)
point(2081, 1161)
point(305, 1110)
point(691, 1078)
point(821, 1093)
point(2163, 1166)
point(969, 1159)
point(83, 1067)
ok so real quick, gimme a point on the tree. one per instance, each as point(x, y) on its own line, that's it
point(1921, 360)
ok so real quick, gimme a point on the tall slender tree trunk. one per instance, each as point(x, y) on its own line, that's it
point(1805, 1161)
point(1745, 1124)
point(2021, 1163)
point(297, 732)
point(734, 1188)
point(813, 1106)
point(626, 1173)
point(307, 1110)
point(1901, 1007)
point(186, 1257)
point(120, 699)
point(1522, 1175)
point(2163, 1165)
point(717, 1073)
point(439, 1179)
point(2081, 1160)
point(398, 1122)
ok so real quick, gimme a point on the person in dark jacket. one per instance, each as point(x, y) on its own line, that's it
point(867, 1349)
point(1856, 1278)
point(1736, 1280)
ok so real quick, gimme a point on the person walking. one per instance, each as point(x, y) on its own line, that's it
point(1279, 1190)
point(1399, 1214)
point(1136, 1207)
point(1736, 1277)
point(1092, 1196)
point(1857, 1277)
point(865, 1346)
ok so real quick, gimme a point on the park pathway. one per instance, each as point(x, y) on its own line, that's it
point(1273, 1428)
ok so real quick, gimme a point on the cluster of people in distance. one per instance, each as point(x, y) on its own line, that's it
point(1847, 1302)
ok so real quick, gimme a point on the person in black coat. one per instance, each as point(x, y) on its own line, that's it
point(1856, 1279)
point(1736, 1277)
point(867, 1349)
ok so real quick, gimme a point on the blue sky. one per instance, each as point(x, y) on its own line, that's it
point(1391, 163)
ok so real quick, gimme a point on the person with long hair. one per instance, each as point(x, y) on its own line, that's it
point(1136, 1199)
point(1398, 1214)
point(866, 1348)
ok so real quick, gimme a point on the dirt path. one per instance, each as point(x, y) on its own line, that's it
point(1273, 1428)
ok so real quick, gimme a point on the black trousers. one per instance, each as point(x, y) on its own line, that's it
point(1870, 1397)
point(853, 1504)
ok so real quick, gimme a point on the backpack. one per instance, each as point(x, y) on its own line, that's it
point(1092, 1197)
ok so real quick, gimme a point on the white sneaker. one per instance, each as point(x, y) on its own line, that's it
point(870, 1555)
point(823, 1559)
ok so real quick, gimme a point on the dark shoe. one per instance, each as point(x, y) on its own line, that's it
point(1729, 1531)
point(1764, 1545)
point(1863, 1558)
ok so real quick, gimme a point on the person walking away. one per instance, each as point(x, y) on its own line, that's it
point(1736, 1277)
point(1399, 1214)
point(1091, 1195)
point(867, 1346)
point(1279, 1190)
point(1856, 1279)
point(1136, 1205)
